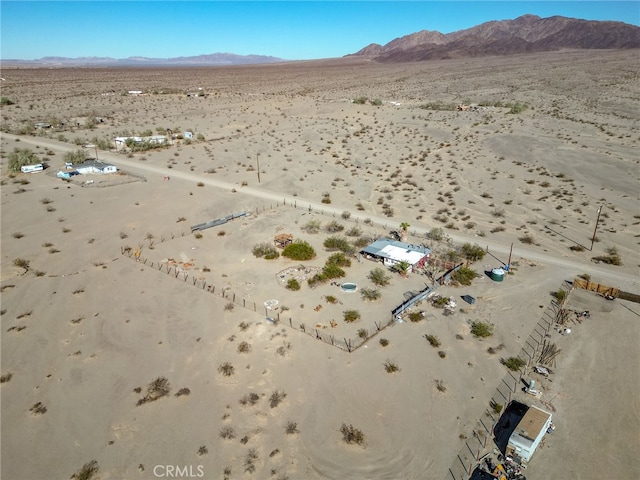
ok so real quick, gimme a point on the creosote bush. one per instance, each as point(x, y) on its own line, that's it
point(351, 316)
point(464, 276)
point(352, 435)
point(87, 471)
point(293, 284)
point(379, 277)
point(299, 250)
point(513, 363)
point(433, 340)
point(481, 329)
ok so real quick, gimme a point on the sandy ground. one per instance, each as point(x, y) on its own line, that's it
point(98, 325)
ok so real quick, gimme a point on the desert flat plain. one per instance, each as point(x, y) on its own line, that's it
point(86, 329)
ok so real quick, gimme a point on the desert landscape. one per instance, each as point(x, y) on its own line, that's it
point(135, 347)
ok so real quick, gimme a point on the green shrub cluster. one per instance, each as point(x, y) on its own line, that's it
point(481, 329)
point(338, 243)
point(20, 157)
point(299, 250)
point(464, 276)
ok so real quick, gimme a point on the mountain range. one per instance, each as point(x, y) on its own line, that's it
point(525, 34)
point(212, 59)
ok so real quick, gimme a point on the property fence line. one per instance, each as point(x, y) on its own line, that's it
point(474, 449)
point(348, 344)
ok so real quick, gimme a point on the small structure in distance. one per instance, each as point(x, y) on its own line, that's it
point(283, 239)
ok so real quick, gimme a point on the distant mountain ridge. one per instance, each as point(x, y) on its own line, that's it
point(525, 34)
point(212, 59)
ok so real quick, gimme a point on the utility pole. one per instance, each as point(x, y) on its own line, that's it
point(593, 239)
point(258, 164)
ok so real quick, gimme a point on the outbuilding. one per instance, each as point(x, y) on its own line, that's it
point(391, 252)
point(528, 434)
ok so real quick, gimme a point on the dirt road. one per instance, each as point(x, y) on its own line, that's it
point(573, 267)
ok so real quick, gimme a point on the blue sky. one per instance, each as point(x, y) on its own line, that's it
point(292, 30)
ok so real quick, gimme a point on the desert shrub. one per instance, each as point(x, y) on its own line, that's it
point(203, 450)
point(250, 399)
point(291, 428)
point(157, 389)
point(331, 299)
point(338, 243)
point(4, 101)
point(299, 250)
point(464, 276)
point(265, 250)
point(229, 306)
point(351, 316)
point(293, 284)
point(517, 108)
point(38, 409)
point(362, 333)
point(333, 227)
point(276, 398)
point(433, 340)
point(226, 369)
point(6, 377)
point(384, 342)
point(440, 302)
point(514, 363)
point(360, 100)
point(20, 157)
point(585, 276)
point(376, 102)
point(22, 263)
point(75, 157)
point(352, 435)
point(353, 232)
point(391, 367)
point(560, 295)
point(312, 226)
point(481, 329)
point(87, 471)
point(379, 277)
point(495, 407)
point(183, 392)
point(228, 433)
point(370, 294)
point(244, 347)
point(527, 239)
point(436, 234)
point(326, 198)
point(442, 354)
point(612, 257)
point(576, 248)
point(473, 252)
point(440, 386)
point(339, 259)
point(331, 270)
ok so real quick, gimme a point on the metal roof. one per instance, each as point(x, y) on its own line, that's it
point(397, 251)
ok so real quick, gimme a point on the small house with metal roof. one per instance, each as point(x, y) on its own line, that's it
point(391, 252)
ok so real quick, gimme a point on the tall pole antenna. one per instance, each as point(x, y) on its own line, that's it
point(593, 239)
point(510, 252)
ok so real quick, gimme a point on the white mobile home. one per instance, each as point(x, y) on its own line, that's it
point(94, 166)
point(32, 168)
